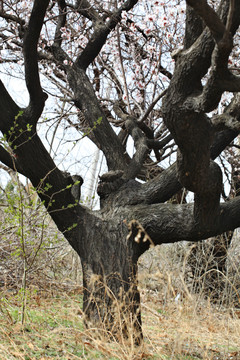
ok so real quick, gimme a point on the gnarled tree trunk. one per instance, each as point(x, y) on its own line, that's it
point(132, 214)
point(111, 299)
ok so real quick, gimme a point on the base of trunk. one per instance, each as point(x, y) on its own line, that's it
point(113, 307)
point(111, 300)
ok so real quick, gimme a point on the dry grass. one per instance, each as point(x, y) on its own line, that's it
point(188, 329)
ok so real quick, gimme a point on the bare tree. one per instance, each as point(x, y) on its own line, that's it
point(86, 47)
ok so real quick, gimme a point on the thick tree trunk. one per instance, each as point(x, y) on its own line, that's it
point(111, 300)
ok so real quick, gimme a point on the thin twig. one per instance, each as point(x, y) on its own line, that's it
point(123, 71)
point(150, 108)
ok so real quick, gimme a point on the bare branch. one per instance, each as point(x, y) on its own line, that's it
point(230, 15)
point(193, 28)
point(141, 147)
point(167, 223)
point(225, 121)
point(85, 99)
point(8, 109)
point(210, 18)
point(101, 31)
point(220, 78)
point(10, 161)
point(86, 9)
point(140, 143)
point(61, 22)
point(11, 17)
point(37, 97)
point(230, 119)
point(159, 144)
point(123, 71)
point(151, 106)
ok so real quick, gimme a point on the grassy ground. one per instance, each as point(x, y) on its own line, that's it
point(53, 329)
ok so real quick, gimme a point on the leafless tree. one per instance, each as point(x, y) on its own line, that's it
point(75, 44)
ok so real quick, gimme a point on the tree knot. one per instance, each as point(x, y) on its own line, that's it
point(110, 182)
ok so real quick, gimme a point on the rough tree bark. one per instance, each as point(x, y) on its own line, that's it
point(133, 215)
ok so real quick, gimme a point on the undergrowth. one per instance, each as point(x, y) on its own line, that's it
point(54, 329)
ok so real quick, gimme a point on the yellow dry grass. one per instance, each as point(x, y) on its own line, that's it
point(187, 329)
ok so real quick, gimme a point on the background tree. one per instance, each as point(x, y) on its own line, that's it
point(207, 260)
point(122, 65)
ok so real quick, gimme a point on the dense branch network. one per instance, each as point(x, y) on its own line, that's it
point(108, 66)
